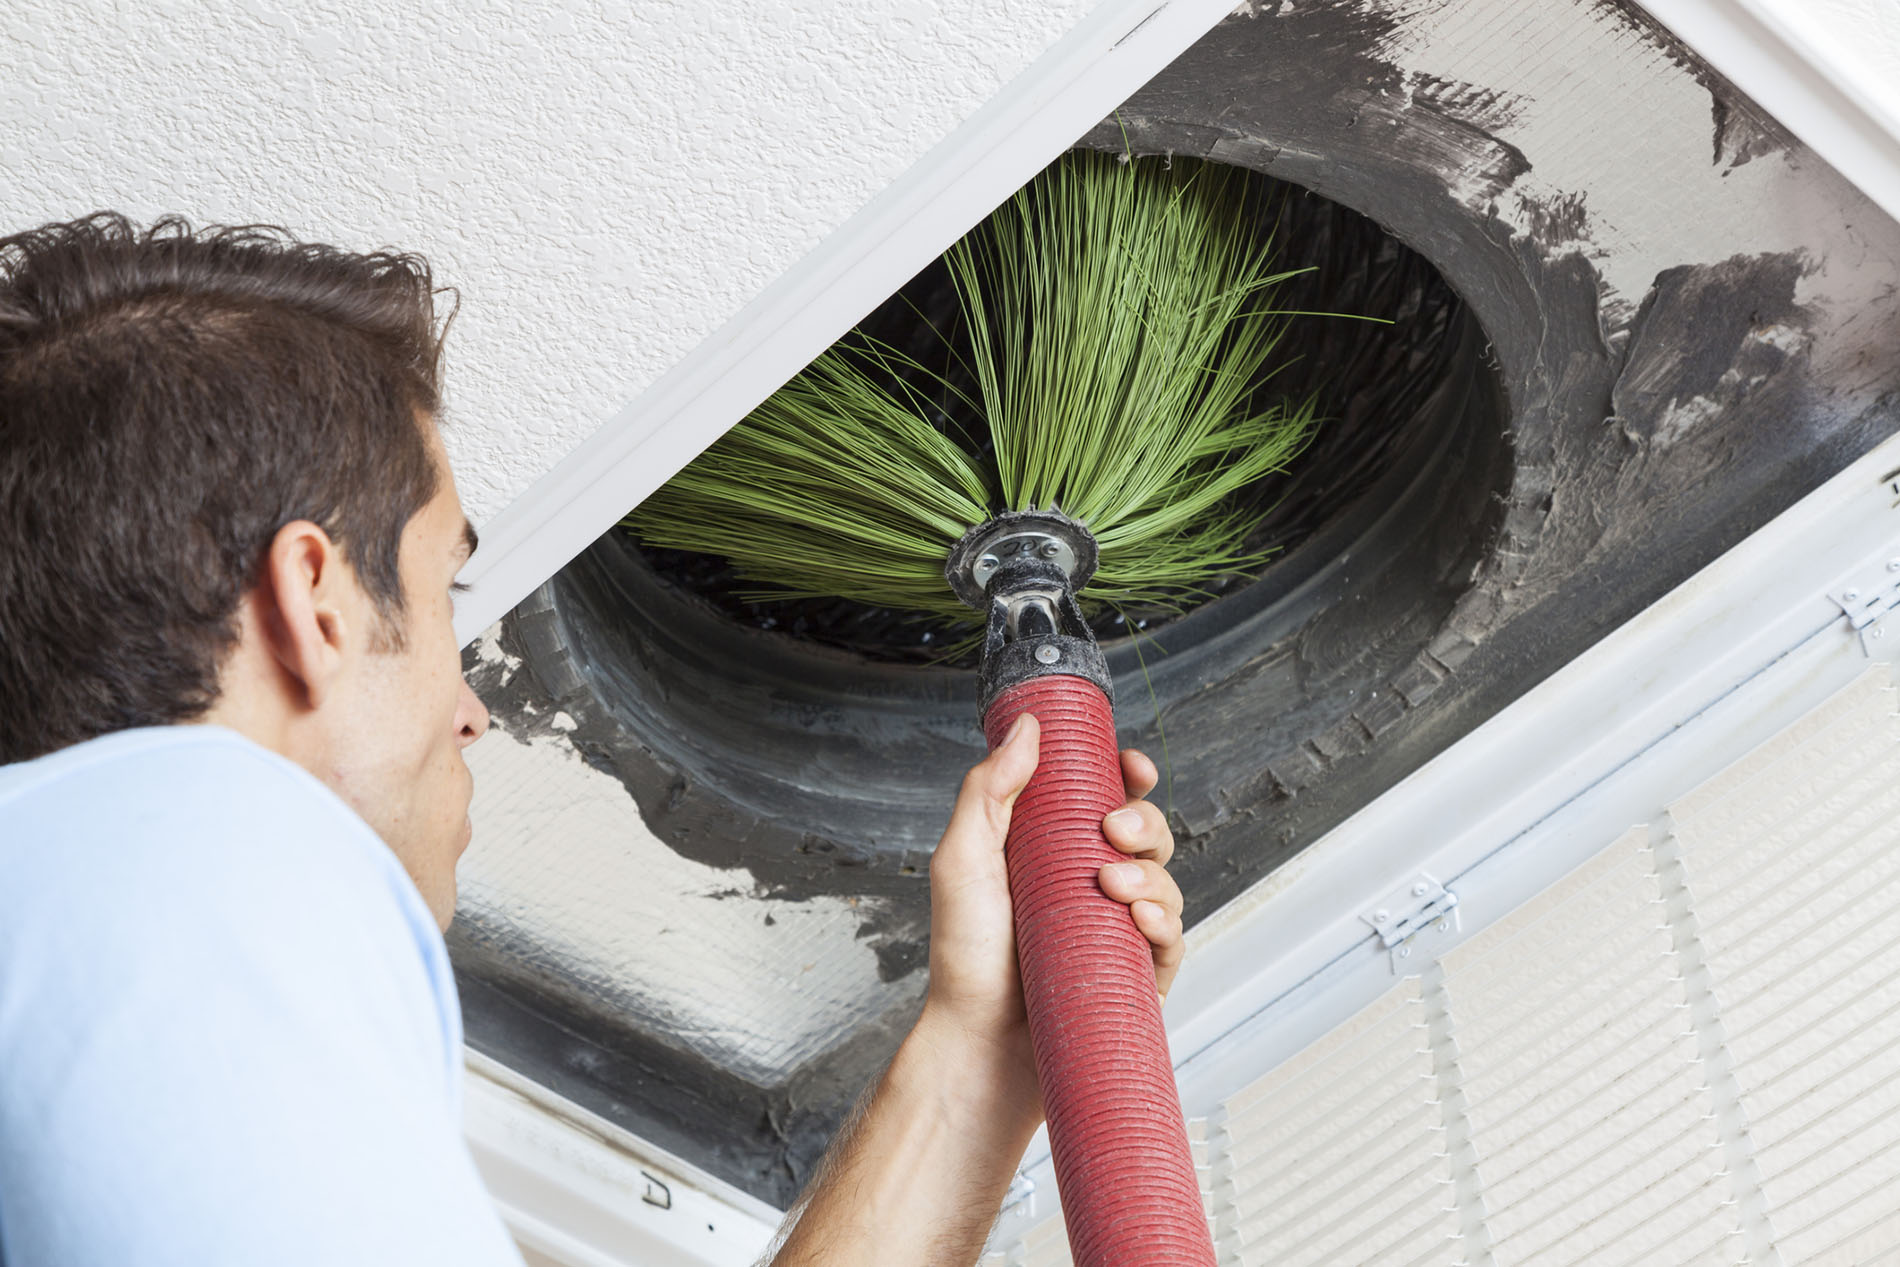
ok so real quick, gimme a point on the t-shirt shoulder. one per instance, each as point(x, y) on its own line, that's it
point(157, 831)
point(227, 1022)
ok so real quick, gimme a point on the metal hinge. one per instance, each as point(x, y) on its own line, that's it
point(1414, 921)
point(1866, 597)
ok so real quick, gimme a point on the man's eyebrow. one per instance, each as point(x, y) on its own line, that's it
point(470, 541)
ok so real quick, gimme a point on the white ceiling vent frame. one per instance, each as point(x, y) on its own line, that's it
point(1084, 76)
point(1727, 661)
point(574, 1189)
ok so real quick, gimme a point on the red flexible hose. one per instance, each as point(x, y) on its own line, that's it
point(1129, 1194)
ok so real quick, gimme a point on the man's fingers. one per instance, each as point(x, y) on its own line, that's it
point(992, 786)
point(1139, 828)
point(1142, 881)
point(1154, 903)
point(1162, 928)
point(1139, 775)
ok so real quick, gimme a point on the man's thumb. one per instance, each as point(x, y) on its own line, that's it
point(993, 785)
point(1015, 758)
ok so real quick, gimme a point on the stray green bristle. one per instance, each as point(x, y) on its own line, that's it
point(1120, 325)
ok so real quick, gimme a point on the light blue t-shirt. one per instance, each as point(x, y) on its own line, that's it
point(228, 1030)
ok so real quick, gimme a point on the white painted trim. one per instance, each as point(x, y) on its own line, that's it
point(574, 1187)
point(1798, 80)
point(1116, 49)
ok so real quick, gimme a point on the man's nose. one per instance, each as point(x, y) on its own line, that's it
point(471, 717)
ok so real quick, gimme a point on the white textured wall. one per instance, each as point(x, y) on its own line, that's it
point(605, 183)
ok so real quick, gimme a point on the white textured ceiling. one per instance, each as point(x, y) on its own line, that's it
point(606, 184)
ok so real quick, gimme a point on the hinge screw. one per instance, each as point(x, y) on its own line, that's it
point(1850, 596)
point(1381, 915)
point(1893, 565)
point(1421, 889)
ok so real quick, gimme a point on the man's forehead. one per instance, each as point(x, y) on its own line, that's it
point(443, 513)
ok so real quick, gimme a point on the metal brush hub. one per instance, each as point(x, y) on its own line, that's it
point(1022, 570)
point(1016, 537)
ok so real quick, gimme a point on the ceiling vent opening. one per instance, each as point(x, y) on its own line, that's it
point(1575, 411)
point(1404, 403)
point(718, 713)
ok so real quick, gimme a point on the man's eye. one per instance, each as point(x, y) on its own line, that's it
point(458, 587)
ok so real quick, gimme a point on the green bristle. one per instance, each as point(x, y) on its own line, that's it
point(1120, 324)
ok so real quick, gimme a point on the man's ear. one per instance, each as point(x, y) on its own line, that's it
point(309, 602)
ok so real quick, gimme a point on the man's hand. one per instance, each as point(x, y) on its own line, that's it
point(918, 1177)
point(975, 993)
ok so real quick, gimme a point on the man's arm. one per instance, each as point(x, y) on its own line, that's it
point(919, 1173)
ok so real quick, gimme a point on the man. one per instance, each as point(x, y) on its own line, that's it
point(231, 702)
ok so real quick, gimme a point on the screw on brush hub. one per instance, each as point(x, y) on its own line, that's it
point(1022, 570)
point(1018, 536)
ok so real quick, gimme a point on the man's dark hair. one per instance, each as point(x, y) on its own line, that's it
point(169, 399)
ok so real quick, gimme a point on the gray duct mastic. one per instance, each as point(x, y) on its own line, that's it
point(1635, 321)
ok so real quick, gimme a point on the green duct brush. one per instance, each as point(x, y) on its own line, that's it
point(1098, 441)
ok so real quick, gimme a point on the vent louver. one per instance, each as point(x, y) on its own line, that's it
point(1340, 1154)
point(1793, 857)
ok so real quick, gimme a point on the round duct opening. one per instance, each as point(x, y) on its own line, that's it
point(1370, 383)
point(789, 738)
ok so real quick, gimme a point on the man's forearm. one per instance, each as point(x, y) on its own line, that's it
point(918, 1177)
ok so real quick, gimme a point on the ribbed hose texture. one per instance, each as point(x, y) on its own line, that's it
point(1129, 1195)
